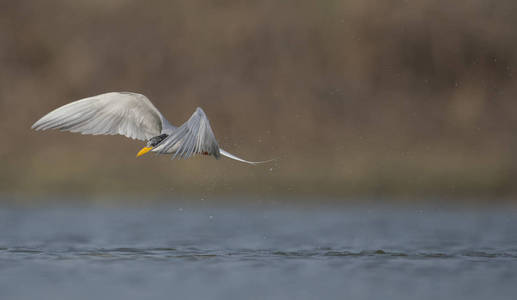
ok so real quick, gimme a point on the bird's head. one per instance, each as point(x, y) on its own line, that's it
point(153, 142)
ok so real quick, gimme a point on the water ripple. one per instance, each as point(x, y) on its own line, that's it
point(196, 254)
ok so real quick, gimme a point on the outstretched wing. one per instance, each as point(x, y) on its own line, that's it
point(128, 114)
point(193, 137)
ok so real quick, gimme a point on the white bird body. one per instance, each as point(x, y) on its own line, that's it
point(134, 116)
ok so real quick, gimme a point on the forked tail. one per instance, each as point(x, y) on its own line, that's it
point(229, 155)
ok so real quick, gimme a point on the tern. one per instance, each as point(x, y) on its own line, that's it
point(134, 116)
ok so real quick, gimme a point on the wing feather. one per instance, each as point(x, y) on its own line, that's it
point(124, 113)
point(193, 137)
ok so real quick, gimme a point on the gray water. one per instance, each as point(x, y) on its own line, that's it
point(173, 252)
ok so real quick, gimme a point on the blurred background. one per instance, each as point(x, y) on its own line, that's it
point(392, 100)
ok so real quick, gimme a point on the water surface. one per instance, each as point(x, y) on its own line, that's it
point(182, 252)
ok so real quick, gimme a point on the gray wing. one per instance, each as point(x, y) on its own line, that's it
point(128, 114)
point(193, 137)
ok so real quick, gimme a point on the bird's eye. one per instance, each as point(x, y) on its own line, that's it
point(157, 139)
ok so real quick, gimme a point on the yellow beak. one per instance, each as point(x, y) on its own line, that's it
point(144, 151)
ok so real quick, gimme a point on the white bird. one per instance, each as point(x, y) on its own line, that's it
point(134, 116)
